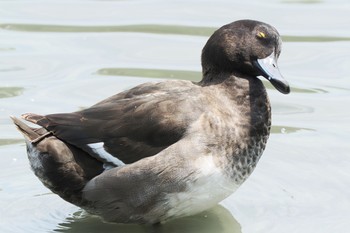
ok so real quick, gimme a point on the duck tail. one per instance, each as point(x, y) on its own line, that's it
point(31, 134)
point(61, 167)
point(35, 118)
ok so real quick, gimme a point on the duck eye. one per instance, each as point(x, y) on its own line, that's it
point(261, 35)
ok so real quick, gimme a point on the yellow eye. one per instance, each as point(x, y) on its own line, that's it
point(261, 35)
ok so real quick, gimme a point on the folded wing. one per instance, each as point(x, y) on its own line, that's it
point(131, 125)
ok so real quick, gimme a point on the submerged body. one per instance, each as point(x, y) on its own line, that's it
point(163, 150)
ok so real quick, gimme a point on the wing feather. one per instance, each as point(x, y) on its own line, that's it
point(133, 124)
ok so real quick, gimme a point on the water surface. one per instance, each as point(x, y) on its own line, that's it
point(59, 56)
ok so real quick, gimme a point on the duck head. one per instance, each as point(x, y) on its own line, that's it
point(245, 48)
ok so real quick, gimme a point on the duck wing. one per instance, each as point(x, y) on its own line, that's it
point(131, 125)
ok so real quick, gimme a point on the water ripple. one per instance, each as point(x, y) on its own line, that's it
point(150, 28)
point(9, 141)
point(7, 92)
point(182, 74)
point(289, 38)
point(11, 69)
point(280, 129)
point(145, 28)
point(217, 219)
point(6, 49)
point(302, 1)
point(288, 109)
point(152, 73)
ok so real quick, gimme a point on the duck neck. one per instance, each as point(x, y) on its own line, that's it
point(249, 99)
point(212, 77)
point(248, 95)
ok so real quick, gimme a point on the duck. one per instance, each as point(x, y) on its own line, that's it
point(169, 149)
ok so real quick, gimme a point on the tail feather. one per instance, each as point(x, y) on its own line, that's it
point(33, 135)
point(28, 132)
point(61, 167)
point(35, 118)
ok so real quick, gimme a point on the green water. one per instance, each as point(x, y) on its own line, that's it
point(61, 56)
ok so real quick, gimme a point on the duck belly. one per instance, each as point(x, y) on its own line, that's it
point(209, 186)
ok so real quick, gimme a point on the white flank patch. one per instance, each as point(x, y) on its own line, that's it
point(209, 187)
point(34, 158)
point(104, 155)
point(36, 163)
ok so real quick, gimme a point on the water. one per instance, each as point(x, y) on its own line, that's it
point(60, 56)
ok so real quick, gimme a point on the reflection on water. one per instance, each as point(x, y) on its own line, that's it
point(144, 28)
point(4, 141)
point(152, 73)
point(152, 28)
point(182, 74)
point(287, 129)
point(7, 92)
point(314, 38)
point(303, 1)
point(15, 68)
point(6, 49)
point(295, 89)
point(217, 219)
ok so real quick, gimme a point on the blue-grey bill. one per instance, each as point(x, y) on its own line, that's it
point(268, 67)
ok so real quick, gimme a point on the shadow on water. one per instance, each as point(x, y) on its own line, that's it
point(217, 219)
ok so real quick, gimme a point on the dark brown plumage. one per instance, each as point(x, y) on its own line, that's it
point(185, 146)
point(60, 166)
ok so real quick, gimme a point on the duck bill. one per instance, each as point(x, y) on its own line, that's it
point(269, 69)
